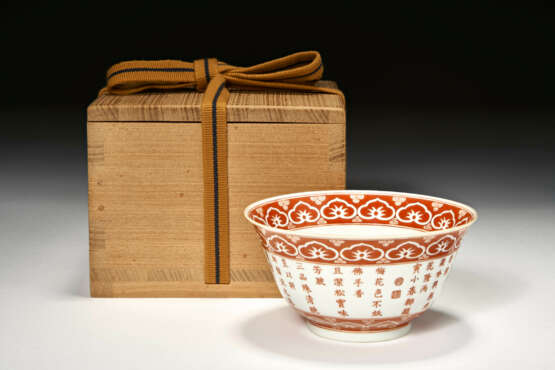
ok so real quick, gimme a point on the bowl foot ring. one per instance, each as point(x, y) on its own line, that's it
point(359, 336)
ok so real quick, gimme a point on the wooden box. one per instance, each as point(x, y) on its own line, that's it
point(146, 185)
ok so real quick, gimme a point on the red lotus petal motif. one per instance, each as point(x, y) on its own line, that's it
point(385, 324)
point(443, 244)
point(316, 250)
point(459, 240)
point(362, 251)
point(462, 221)
point(350, 325)
point(278, 244)
point(376, 209)
point(409, 250)
point(443, 220)
point(303, 212)
point(338, 208)
point(414, 212)
point(276, 218)
point(259, 219)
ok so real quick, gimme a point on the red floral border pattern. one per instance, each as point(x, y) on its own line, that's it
point(335, 323)
point(372, 209)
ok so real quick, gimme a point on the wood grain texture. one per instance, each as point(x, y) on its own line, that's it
point(145, 200)
point(243, 106)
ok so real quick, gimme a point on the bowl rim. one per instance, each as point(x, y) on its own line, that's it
point(304, 232)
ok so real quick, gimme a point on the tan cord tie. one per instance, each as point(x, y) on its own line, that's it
point(294, 72)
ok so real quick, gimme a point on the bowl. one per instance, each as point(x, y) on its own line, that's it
point(359, 266)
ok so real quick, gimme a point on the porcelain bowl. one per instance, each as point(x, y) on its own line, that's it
point(360, 265)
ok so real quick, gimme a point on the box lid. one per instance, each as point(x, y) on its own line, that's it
point(243, 106)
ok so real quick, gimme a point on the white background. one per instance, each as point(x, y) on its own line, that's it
point(496, 310)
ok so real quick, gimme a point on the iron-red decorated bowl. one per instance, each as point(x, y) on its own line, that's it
point(360, 265)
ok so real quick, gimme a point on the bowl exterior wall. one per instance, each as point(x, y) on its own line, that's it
point(360, 295)
point(369, 284)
